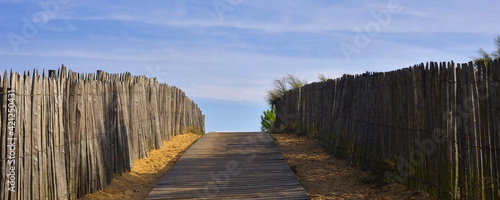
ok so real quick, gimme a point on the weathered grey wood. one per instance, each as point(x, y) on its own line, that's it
point(452, 129)
point(66, 138)
point(144, 122)
point(99, 141)
point(4, 134)
point(483, 137)
point(80, 137)
point(125, 130)
point(36, 136)
point(59, 142)
point(234, 166)
point(91, 134)
point(155, 121)
point(134, 121)
point(495, 138)
point(51, 135)
point(17, 85)
point(3, 137)
point(437, 123)
point(27, 137)
point(19, 135)
point(42, 151)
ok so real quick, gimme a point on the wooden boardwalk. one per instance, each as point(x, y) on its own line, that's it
point(230, 166)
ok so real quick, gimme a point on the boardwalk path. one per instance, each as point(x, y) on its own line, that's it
point(230, 166)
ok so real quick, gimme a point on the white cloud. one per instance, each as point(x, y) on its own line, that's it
point(284, 16)
point(239, 56)
point(228, 92)
point(63, 28)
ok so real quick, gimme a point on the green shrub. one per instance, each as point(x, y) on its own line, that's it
point(267, 119)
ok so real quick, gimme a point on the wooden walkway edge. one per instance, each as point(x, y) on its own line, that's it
point(230, 166)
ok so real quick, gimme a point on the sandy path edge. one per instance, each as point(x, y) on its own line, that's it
point(324, 177)
point(146, 173)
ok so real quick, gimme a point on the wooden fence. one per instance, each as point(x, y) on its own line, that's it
point(433, 127)
point(66, 134)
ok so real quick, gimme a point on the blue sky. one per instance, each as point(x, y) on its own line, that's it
point(225, 53)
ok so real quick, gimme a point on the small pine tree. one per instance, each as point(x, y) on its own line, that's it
point(267, 119)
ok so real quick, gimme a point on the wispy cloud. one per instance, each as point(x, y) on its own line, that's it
point(60, 28)
point(281, 16)
point(186, 44)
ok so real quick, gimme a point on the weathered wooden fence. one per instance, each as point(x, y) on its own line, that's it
point(66, 134)
point(435, 127)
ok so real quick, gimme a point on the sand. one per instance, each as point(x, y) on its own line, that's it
point(324, 177)
point(146, 173)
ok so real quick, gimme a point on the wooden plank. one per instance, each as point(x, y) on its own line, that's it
point(413, 107)
point(238, 171)
point(495, 117)
point(126, 131)
point(177, 112)
point(452, 128)
point(442, 139)
point(3, 138)
point(110, 126)
point(460, 131)
point(123, 128)
point(19, 136)
point(82, 164)
point(51, 135)
point(468, 123)
point(36, 135)
point(59, 134)
point(73, 135)
point(476, 109)
point(116, 140)
point(69, 130)
point(141, 135)
point(483, 115)
point(27, 137)
point(4, 135)
point(68, 126)
point(134, 121)
point(42, 154)
point(472, 130)
point(154, 116)
point(169, 115)
point(105, 142)
point(17, 85)
point(144, 122)
point(99, 142)
point(92, 168)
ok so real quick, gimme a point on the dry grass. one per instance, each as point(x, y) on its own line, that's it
point(324, 177)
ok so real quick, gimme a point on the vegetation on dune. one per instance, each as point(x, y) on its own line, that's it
point(323, 78)
point(485, 56)
point(279, 87)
